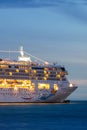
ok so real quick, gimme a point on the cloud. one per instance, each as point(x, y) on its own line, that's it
point(76, 9)
point(38, 3)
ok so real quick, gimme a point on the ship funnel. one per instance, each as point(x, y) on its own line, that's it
point(23, 57)
point(21, 51)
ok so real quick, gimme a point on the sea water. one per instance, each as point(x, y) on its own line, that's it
point(71, 115)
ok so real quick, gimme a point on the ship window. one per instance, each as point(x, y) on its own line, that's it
point(26, 71)
point(4, 66)
point(45, 69)
point(62, 68)
point(45, 78)
point(34, 71)
point(55, 87)
point(16, 66)
point(58, 76)
point(9, 66)
point(37, 68)
point(40, 86)
point(15, 88)
point(43, 86)
point(32, 87)
point(10, 73)
point(17, 70)
point(47, 86)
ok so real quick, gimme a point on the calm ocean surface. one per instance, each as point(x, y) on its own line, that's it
point(44, 116)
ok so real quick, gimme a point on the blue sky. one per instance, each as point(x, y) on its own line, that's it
point(54, 31)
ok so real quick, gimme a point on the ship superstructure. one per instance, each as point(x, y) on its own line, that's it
point(27, 81)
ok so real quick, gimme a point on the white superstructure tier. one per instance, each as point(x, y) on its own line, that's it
point(27, 81)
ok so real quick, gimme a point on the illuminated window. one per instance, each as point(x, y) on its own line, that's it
point(32, 87)
point(45, 72)
point(34, 71)
point(15, 88)
point(4, 66)
point(58, 76)
point(46, 75)
point(40, 86)
point(47, 86)
point(17, 70)
point(43, 86)
point(56, 87)
point(24, 82)
point(29, 81)
point(10, 73)
point(45, 68)
point(26, 71)
point(45, 78)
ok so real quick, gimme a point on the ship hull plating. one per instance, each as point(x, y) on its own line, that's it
point(8, 95)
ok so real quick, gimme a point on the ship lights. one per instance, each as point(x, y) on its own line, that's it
point(45, 78)
point(46, 63)
point(45, 68)
point(15, 88)
point(47, 86)
point(43, 86)
point(17, 70)
point(45, 71)
point(56, 87)
point(32, 87)
point(24, 83)
point(26, 71)
point(58, 76)
point(10, 73)
point(70, 85)
point(46, 75)
point(34, 71)
point(4, 83)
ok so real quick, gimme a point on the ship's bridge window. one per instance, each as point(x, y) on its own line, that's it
point(43, 86)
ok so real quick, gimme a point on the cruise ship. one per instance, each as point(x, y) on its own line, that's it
point(27, 81)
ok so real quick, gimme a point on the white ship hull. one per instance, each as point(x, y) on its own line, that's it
point(27, 81)
point(22, 95)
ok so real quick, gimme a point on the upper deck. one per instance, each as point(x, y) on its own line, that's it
point(25, 69)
